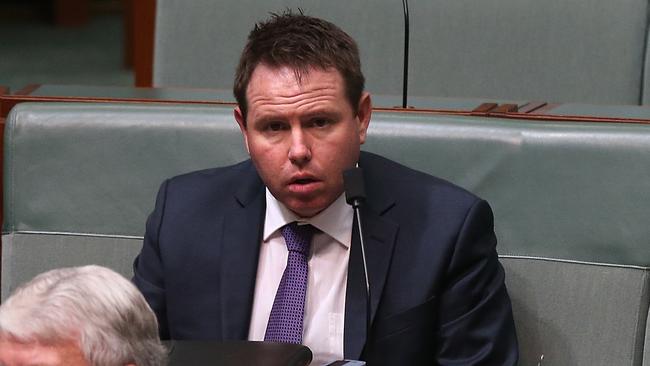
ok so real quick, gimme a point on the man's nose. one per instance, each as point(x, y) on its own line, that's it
point(299, 151)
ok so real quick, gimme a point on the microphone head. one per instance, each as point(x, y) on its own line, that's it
point(355, 191)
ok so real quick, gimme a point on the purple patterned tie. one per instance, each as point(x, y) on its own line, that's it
point(285, 321)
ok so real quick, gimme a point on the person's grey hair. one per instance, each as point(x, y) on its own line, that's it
point(95, 306)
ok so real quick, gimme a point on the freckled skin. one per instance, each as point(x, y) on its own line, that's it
point(64, 353)
point(301, 135)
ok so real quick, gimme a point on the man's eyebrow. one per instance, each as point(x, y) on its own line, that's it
point(322, 112)
point(270, 117)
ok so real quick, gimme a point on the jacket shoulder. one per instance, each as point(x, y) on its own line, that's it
point(404, 182)
point(210, 186)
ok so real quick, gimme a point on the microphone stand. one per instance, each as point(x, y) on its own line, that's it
point(355, 195)
point(356, 206)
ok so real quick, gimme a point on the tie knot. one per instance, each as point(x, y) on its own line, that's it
point(298, 237)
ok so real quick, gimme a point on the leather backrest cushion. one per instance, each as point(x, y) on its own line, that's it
point(562, 190)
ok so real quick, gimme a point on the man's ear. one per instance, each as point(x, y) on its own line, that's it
point(363, 114)
point(241, 121)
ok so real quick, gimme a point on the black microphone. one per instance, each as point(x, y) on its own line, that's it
point(355, 190)
point(355, 195)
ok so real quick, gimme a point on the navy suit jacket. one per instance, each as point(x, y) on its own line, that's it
point(438, 292)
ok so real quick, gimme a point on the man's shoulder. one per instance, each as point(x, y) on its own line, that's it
point(210, 175)
point(402, 180)
point(213, 180)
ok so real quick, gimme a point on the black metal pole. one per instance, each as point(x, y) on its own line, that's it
point(406, 54)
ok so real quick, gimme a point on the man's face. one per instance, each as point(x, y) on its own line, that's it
point(301, 135)
point(65, 353)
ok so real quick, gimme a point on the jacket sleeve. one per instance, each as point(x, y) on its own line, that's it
point(148, 267)
point(476, 323)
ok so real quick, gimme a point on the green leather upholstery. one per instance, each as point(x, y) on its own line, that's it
point(92, 169)
point(199, 45)
point(558, 189)
point(554, 50)
point(570, 200)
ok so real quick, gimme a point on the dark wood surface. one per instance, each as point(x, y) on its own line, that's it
point(144, 23)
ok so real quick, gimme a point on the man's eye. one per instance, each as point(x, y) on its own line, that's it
point(275, 126)
point(320, 122)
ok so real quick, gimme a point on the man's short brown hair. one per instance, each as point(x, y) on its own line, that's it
point(300, 42)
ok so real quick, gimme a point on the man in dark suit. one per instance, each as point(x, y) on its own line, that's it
point(214, 255)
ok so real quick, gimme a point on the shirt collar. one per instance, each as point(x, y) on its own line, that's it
point(335, 220)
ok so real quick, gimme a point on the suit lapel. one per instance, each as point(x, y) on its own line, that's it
point(379, 235)
point(242, 226)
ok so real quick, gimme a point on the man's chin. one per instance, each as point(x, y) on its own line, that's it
point(306, 212)
point(306, 209)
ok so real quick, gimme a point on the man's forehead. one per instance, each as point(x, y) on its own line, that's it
point(298, 74)
point(13, 352)
point(27, 353)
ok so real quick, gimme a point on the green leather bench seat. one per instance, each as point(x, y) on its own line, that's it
point(556, 50)
point(571, 202)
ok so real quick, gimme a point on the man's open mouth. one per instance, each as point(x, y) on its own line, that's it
point(304, 181)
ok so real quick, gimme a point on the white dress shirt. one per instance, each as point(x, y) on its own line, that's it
point(328, 272)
